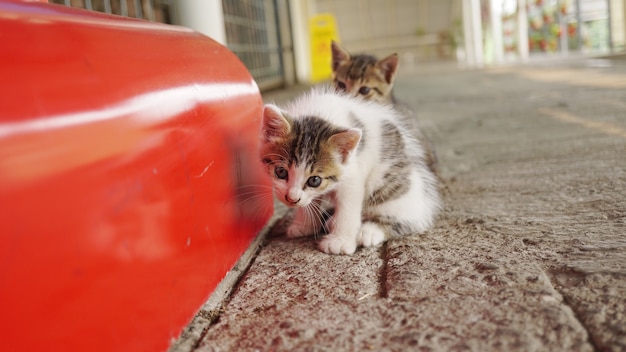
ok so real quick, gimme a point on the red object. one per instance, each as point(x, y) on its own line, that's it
point(128, 177)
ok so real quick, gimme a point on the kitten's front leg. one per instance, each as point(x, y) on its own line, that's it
point(345, 223)
point(305, 221)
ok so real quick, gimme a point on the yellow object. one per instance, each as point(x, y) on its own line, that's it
point(322, 29)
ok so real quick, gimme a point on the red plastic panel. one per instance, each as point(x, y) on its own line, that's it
point(128, 177)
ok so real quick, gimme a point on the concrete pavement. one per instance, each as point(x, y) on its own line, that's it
point(529, 253)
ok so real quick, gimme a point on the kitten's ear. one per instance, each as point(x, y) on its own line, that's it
point(275, 124)
point(345, 142)
point(339, 55)
point(389, 66)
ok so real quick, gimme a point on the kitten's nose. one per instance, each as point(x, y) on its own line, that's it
point(291, 201)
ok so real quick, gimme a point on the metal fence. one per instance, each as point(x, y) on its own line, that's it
point(253, 34)
point(151, 10)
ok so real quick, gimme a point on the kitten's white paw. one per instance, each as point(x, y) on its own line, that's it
point(337, 244)
point(370, 235)
point(297, 230)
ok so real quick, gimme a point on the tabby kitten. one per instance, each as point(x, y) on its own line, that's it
point(363, 74)
point(357, 154)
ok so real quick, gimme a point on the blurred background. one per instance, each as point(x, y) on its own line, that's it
point(284, 42)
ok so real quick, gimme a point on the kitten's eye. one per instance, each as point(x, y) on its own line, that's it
point(314, 181)
point(341, 85)
point(281, 173)
point(364, 90)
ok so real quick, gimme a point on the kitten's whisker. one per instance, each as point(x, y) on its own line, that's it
point(307, 215)
point(255, 190)
point(319, 213)
point(246, 195)
point(252, 199)
point(254, 186)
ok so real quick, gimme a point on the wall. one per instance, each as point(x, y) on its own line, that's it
point(418, 30)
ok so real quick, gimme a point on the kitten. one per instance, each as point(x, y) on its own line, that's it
point(363, 74)
point(358, 155)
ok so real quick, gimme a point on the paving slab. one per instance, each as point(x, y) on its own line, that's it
point(529, 253)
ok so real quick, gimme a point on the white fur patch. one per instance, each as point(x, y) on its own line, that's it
point(337, 244)
point(370, 235)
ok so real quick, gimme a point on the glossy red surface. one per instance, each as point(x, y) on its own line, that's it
point(128, 177)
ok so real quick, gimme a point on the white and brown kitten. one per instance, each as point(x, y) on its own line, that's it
point(358, 154)
point(364, 74)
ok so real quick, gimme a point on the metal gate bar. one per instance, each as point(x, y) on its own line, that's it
point(121, 7)
point(252, 34)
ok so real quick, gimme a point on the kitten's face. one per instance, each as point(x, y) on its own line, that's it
point(363, 75)
point(306, 157)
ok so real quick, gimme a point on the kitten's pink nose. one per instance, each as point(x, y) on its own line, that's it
point(291, 201)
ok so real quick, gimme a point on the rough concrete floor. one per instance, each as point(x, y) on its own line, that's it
point(528, 255)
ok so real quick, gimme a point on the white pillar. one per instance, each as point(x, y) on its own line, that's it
point(495, 10)
point(467, 33)
point(522, 30)
point(204, 16)
point(301, 10)
point(618, 23)
point(624, 22)
point(473, 34)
